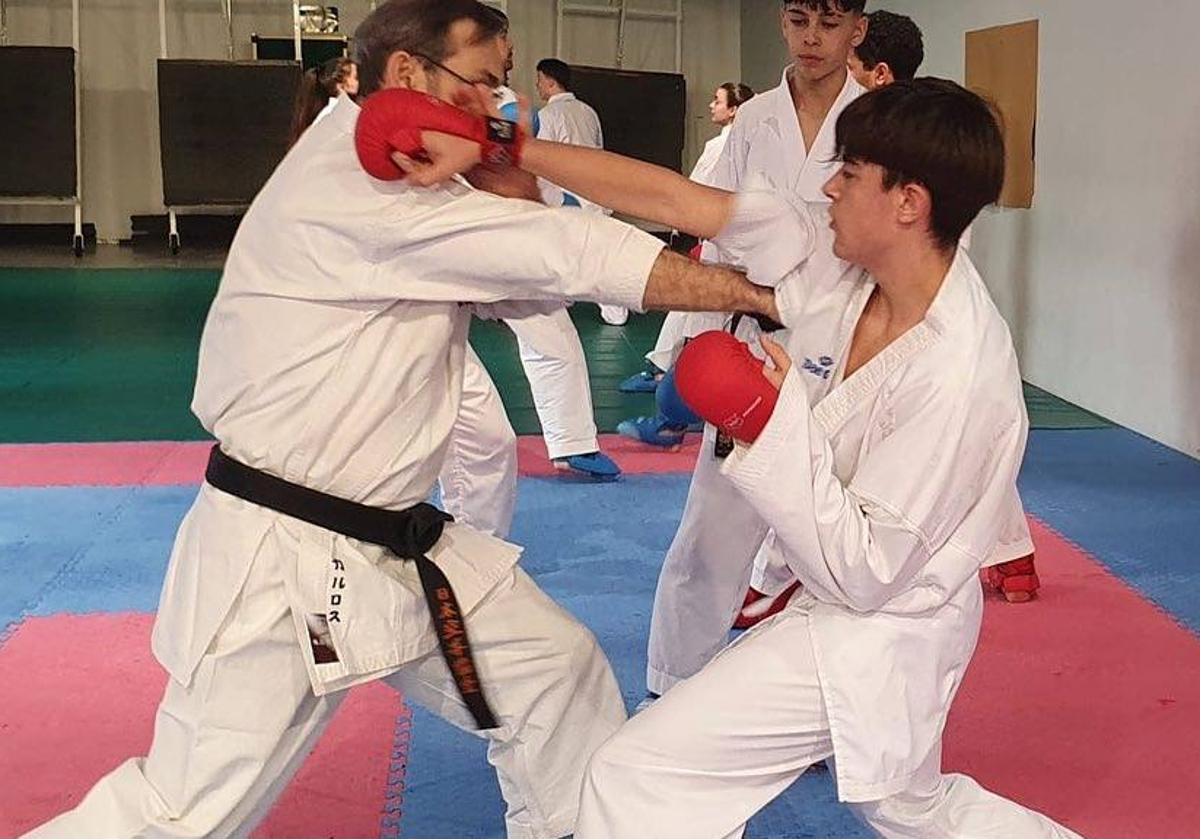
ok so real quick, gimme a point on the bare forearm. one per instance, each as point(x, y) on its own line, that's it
point(631, 186)
point(682, 285)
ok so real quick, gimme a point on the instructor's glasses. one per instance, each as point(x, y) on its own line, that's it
point(488, 80)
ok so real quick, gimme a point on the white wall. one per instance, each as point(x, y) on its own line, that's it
point(120, 43)
point(1100, 281)
point(764, 54)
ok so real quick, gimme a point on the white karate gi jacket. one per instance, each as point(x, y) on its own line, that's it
point(565, 119)
point(887, 491)
point(766, 140)
point(333, 357)
point(706, 165)
point(765, 150)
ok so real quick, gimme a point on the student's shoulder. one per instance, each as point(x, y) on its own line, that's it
point(760, 106)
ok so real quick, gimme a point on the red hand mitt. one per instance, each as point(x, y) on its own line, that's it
point(722, 381)
point(392, 121)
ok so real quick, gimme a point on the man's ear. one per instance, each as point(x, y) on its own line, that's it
point(860, 31)
point(882, 74)
point(404, 70)
point(914, 205)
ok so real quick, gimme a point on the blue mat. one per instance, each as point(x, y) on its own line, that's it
point(1130, 502)
point(1134, 504)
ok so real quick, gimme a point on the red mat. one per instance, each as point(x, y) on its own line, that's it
point(1085, 704)
point(174, 464)
point(77, 697)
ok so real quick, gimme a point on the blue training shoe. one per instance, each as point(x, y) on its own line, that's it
point(597, 466)
point(643, 382)
point(653, 431)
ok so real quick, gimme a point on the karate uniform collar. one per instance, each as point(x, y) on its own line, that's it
point(787, 124)
point(345, 113)
point(832, 412)
point(561, 97)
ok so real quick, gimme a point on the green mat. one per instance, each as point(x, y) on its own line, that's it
point(100, 355)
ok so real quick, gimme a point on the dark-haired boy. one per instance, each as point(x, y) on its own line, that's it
point(892, 50)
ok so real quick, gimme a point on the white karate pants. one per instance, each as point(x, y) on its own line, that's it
point(704, 576)
point(227, 744)
point(710, 754)
point(556, 368)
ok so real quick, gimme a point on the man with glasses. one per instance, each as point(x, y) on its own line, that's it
point(331, 374)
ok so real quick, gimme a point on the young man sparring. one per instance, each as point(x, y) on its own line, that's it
point(887, 482)
point(893, 50)
point(331, 373)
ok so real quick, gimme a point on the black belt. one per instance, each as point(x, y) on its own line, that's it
point(409, 534)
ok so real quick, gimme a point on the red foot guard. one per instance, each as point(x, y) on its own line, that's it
point(1016, 580)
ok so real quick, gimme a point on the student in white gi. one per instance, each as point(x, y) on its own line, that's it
point(781, 140)
point(337, 363)
point(893, 50)
point(722, 110)
point(887, 482)
point(565, 119)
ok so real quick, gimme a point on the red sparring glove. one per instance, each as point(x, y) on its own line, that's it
point(392, 121)
point(723, 382)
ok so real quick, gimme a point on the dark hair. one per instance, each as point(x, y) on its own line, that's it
point(934, 133)
point(827, 6)
point(894, 40)
point(317, 86)
point(415, 26)
point(736, 94)
point(560, 71)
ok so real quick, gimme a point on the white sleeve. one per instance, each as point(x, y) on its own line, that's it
point(767, 236)
point(478, 248)
point(864, 543)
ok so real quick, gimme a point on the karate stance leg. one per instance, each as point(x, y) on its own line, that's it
point(553, 693)
point(717, 748)
point(479, 477)
point(720, 746)
point(704, 576)
point(556, 368)
point(226, 744)
point(938, 806)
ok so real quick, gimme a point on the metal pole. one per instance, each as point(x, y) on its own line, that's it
point(299, 43)
point(558, 28)
point(679, 36)
point(78, 240)
point(227, 10)
point(624, 16)
point(162, 28)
